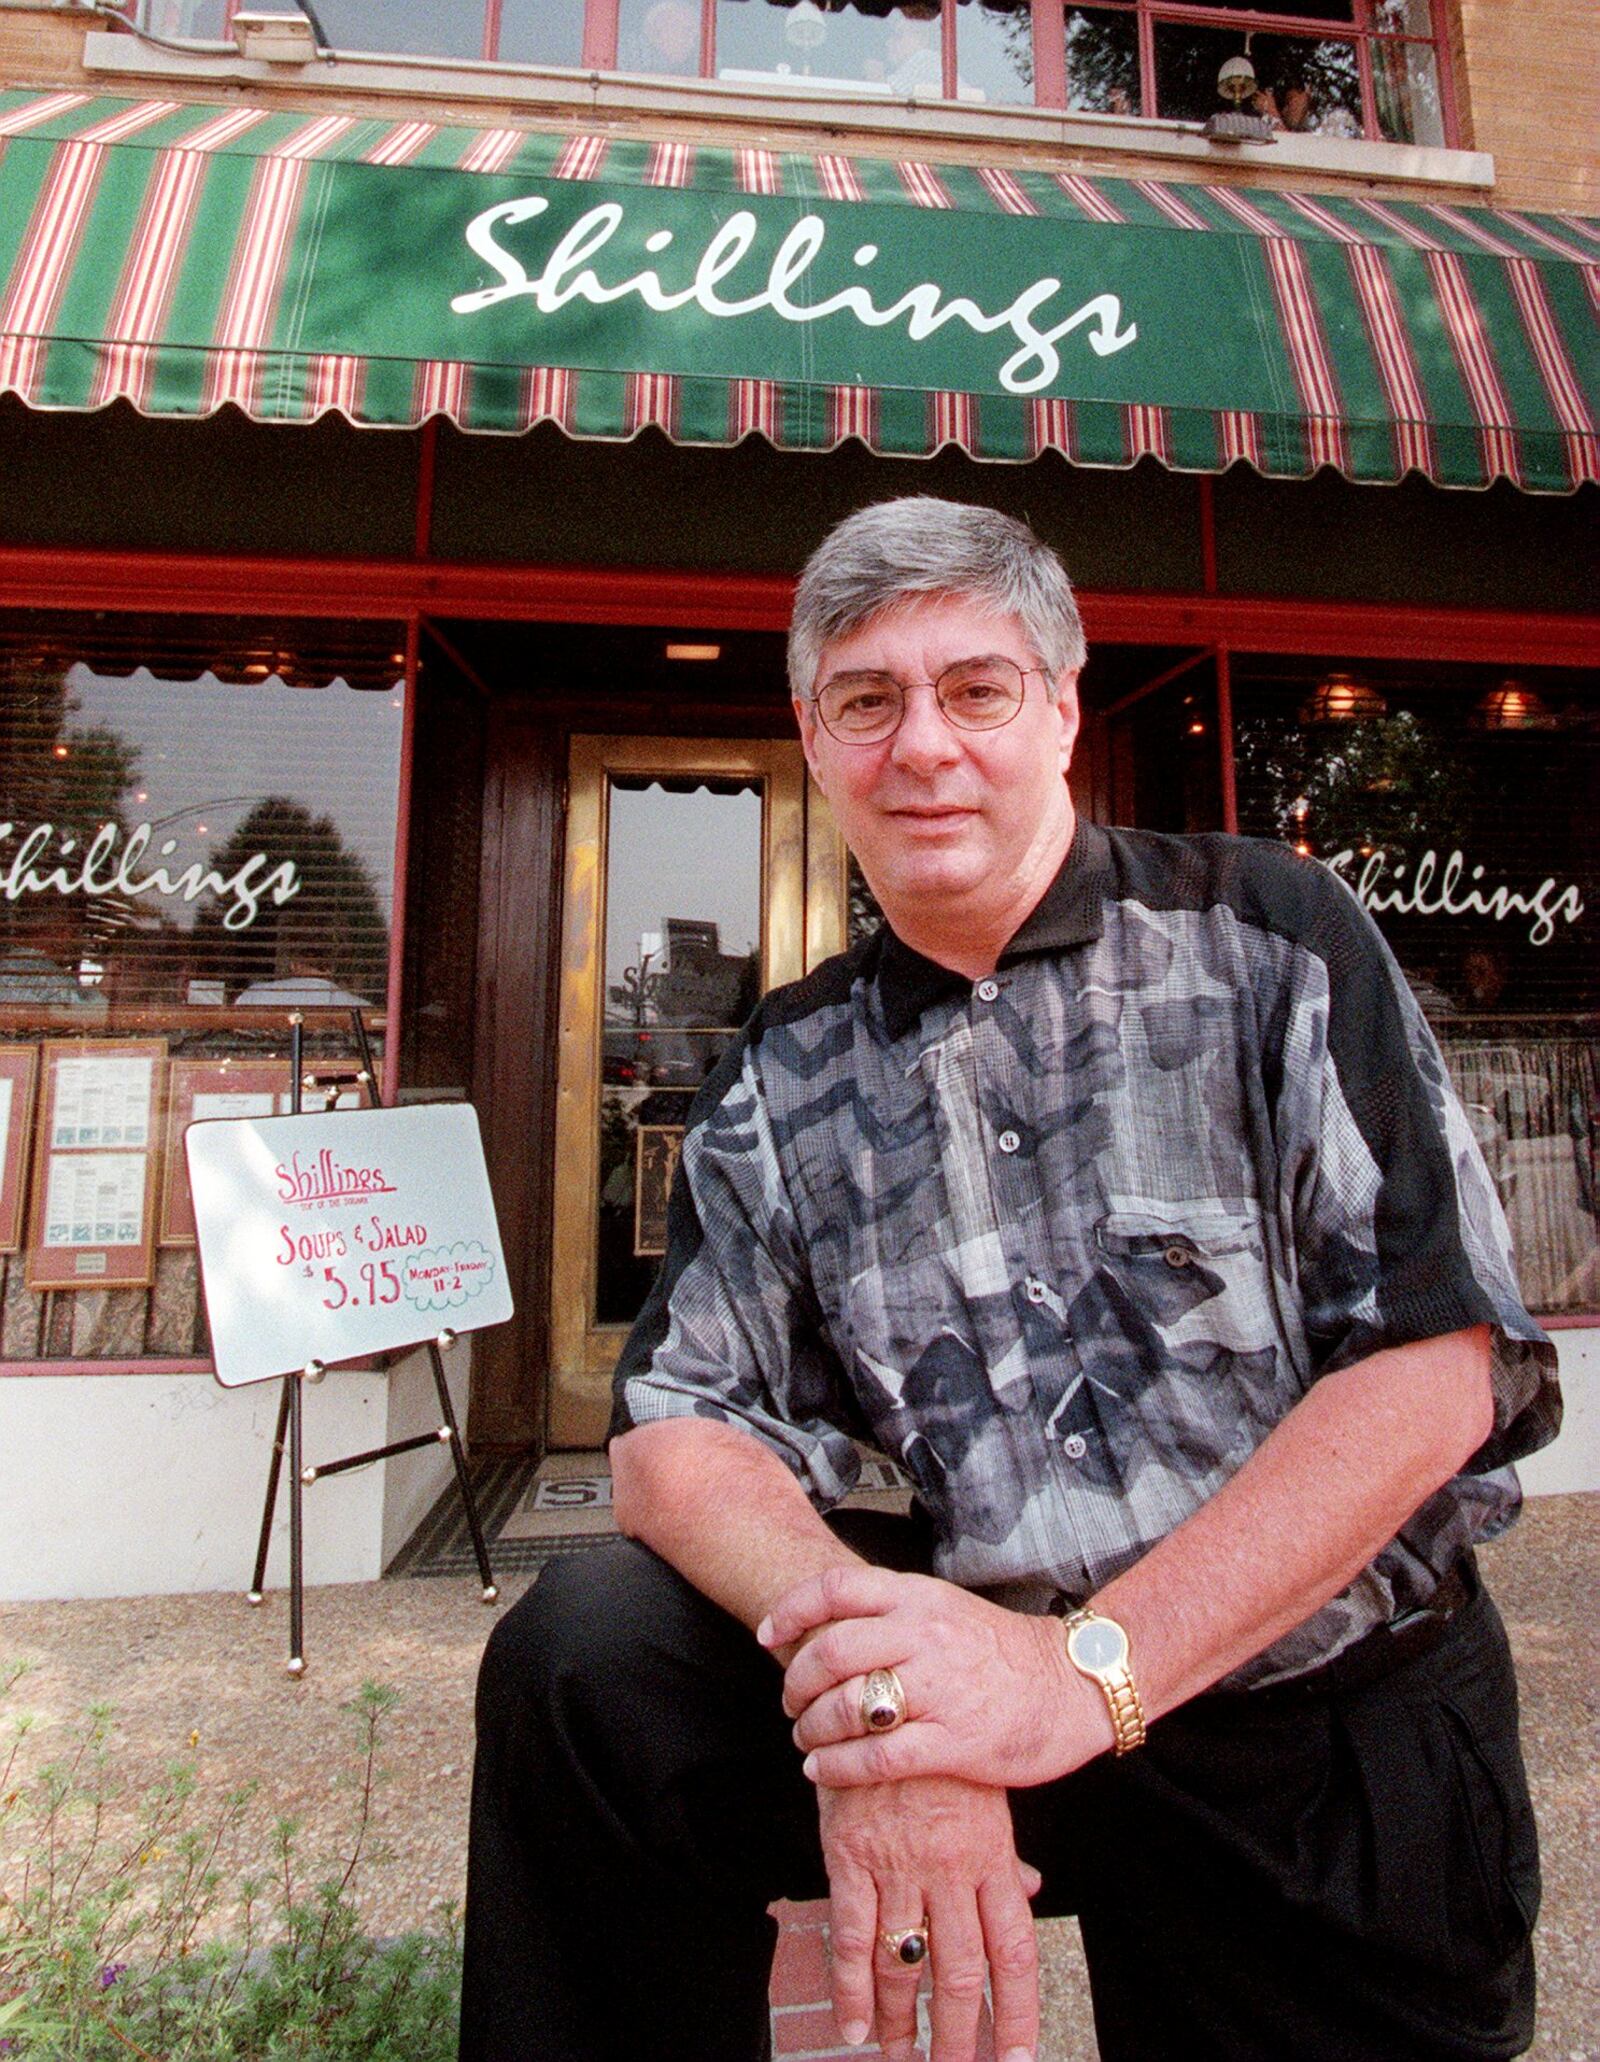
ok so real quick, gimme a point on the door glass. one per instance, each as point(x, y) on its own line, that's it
point(682, 973)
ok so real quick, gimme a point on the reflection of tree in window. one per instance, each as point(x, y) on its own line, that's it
point(332, 930)
point(1102, 62)
point(1387, 780)
point(77, 781)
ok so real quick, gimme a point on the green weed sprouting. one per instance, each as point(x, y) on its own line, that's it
point(131, 1931)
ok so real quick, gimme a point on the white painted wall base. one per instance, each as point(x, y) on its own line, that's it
point(1572, 1460)
point(136, 1485)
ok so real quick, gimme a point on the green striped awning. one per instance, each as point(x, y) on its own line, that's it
point(183, 257)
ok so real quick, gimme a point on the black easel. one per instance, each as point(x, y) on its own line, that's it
point(290, 1401)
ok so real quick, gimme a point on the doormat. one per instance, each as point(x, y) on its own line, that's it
point(562, 1506)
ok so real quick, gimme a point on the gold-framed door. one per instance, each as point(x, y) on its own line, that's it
point(604, 1090)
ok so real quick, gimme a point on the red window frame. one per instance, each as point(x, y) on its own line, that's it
point(600, 43)
point(1362, 31)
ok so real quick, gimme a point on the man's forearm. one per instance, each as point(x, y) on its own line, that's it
point(1325, 1492)
point(722, 1509)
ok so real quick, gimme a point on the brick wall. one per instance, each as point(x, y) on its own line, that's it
point(1532, 70)
point(39, 49)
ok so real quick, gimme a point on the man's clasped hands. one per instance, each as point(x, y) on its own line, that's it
point(916, 1825)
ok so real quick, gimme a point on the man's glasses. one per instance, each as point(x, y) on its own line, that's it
point(973, 694)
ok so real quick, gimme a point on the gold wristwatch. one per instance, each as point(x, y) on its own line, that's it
point(1098, 1648)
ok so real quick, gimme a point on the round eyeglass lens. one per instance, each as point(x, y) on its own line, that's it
point(974, 694)
point(980, 694)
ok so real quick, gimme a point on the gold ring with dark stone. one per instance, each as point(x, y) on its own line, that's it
point(883, 1702)
point(909, 1944)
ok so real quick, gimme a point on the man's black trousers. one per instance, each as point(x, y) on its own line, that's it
point(1285, 1876)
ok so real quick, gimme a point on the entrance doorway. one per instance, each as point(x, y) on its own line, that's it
point(653, 857)
point(699, 873)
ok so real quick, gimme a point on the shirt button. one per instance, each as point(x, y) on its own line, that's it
point(988, 990)
point(1035, 1290)
point(1074, 1446)
point(1178, 1256)
point(1008, 1142)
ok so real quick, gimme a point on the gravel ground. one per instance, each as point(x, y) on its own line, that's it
point(209, 1665)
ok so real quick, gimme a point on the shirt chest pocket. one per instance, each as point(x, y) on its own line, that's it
point(1198, 1272)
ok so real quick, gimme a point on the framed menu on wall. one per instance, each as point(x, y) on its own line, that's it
point(201, 1089)
point(16, 1120)
point(93, 1222)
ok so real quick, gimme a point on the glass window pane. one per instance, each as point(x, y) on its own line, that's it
point(1456, 805)
point(682, 973)
point(1102, 61)
point(994, 50)
point(1305, 83)
point(197, 832)
point(540, 32)
point(407, 28)
point(661, 36)
point(199, 18)
point(860, 45)
point(1405, 84)
point(1404, 17)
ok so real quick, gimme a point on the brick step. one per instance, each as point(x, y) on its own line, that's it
point(803, 2028)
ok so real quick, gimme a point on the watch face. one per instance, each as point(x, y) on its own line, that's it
point(1099, 1645)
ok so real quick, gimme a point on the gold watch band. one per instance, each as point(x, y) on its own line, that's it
point(1116, 1683)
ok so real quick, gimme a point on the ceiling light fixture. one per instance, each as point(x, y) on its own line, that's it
point(1513, 705)
point(700, 652)
point(1236, 83)
point(1343, 698)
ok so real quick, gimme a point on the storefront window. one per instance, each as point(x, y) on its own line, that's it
point(1405, 81)
point(1459, 808)
point(406, 28)
point(199, 18)
point(660, 36)
point(1304, 83)
point(1102, 61)
point(856, 44)
point(994, 51)
point(197, 831)
point(539, 32)
point(1319, 65)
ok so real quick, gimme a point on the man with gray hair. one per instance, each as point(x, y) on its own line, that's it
point(1113, 1188)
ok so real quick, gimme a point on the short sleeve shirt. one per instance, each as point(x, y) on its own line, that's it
point(1068, 1242)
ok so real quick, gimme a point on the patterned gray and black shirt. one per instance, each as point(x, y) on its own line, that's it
point(1068, 1242)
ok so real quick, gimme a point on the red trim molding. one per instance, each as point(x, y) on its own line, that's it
point(31, 577)
point(11, 1370)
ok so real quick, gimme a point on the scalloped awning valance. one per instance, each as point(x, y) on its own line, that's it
point(186, 257)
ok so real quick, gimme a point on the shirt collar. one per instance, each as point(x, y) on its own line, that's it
point(1070, 912)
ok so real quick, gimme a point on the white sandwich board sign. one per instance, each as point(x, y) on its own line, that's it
point(327, 1236)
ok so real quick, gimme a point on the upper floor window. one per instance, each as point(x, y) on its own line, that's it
point(1337, 68)
point(1331, 67)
